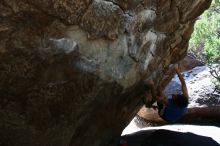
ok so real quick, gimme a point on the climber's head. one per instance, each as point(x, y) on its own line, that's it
point(180, 100)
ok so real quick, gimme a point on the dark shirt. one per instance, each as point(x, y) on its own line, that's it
point(172, 113)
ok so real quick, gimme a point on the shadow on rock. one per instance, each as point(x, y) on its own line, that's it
point(211, 99)
point(166, 138)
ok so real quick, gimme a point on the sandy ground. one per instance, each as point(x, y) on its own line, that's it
point(165, 137)
point(205, 131)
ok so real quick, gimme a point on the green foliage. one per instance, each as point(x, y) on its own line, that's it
point(205, 40)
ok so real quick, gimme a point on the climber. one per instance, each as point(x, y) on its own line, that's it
point(171, 105)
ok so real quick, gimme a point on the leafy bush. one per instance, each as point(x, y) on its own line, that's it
point(205, 40)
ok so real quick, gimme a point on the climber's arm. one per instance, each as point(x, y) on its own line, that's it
point(151, 85)
point(161, 98)
point(183, 83)
point(157, 94)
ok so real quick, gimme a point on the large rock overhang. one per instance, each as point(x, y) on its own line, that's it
point(72, 71)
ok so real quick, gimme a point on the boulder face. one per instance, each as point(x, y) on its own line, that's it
point(72, 71)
